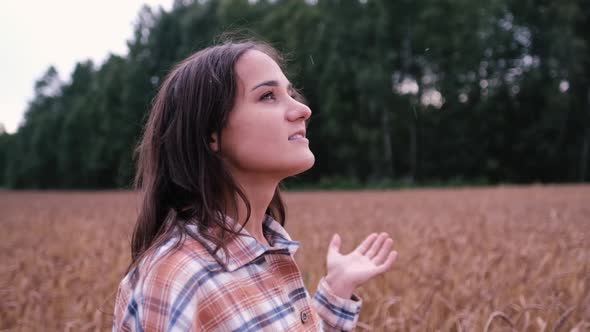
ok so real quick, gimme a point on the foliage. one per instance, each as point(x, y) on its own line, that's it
point(402, 91)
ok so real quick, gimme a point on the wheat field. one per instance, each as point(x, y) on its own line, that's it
point(477, 259)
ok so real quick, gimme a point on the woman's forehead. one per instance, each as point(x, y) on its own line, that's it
point(255, 67)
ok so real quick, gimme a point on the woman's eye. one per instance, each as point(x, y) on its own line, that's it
point(268, 96)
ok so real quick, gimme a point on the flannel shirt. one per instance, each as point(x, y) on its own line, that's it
point(259, 289)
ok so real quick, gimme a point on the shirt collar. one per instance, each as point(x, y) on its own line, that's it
point(244, 248)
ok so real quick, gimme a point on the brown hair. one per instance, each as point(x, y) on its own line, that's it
point(181, 180)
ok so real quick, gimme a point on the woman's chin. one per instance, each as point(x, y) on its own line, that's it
point(304, 165)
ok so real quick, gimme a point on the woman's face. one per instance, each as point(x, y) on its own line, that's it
point(259, 137)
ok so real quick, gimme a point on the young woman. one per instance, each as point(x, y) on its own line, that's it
point(209, 251)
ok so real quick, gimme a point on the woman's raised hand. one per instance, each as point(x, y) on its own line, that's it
point(371, 258)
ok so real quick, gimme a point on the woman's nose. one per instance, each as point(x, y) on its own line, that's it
point(299, 111)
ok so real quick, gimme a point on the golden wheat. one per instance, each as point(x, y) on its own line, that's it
point(494, 259)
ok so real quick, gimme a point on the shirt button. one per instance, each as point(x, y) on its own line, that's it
point(304, 317)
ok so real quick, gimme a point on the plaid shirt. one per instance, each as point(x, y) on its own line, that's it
point(259, 289)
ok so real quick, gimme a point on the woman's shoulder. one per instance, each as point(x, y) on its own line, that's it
point(183, 253)
point(172, 262)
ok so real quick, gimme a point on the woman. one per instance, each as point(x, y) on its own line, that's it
point(209, 251)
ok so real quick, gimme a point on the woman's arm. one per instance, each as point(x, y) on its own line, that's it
point(162, 299)
point(334, 300)
point(335, 313)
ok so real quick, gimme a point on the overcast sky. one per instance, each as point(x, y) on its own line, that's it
point(35, 35)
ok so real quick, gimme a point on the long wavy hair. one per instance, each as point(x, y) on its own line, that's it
point(181, 180)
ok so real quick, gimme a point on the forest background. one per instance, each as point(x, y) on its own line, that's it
point(404, 93)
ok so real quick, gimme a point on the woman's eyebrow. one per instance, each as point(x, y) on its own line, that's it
point(271, 83)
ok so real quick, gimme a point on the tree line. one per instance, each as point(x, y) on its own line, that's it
point(405, 90)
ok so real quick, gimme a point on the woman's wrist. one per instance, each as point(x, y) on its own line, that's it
point(339, 287)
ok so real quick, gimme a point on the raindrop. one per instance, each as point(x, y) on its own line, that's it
point(564, 86)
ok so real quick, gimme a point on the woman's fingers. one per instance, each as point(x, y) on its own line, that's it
point(366, 244)
point(383, 252)
point(374, 249)
point(390, 259)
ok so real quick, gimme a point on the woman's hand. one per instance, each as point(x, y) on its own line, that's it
point(371, 258)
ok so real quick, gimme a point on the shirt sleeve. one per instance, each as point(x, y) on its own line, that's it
point(162, 300)
point(336, 313)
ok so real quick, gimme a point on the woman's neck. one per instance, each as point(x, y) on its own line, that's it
point(259, 193)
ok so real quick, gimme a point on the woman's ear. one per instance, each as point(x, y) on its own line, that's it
point(214, 142)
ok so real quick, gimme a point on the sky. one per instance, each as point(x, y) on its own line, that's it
point(35, 35)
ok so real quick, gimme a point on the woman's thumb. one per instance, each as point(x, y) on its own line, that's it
point(335, 243)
